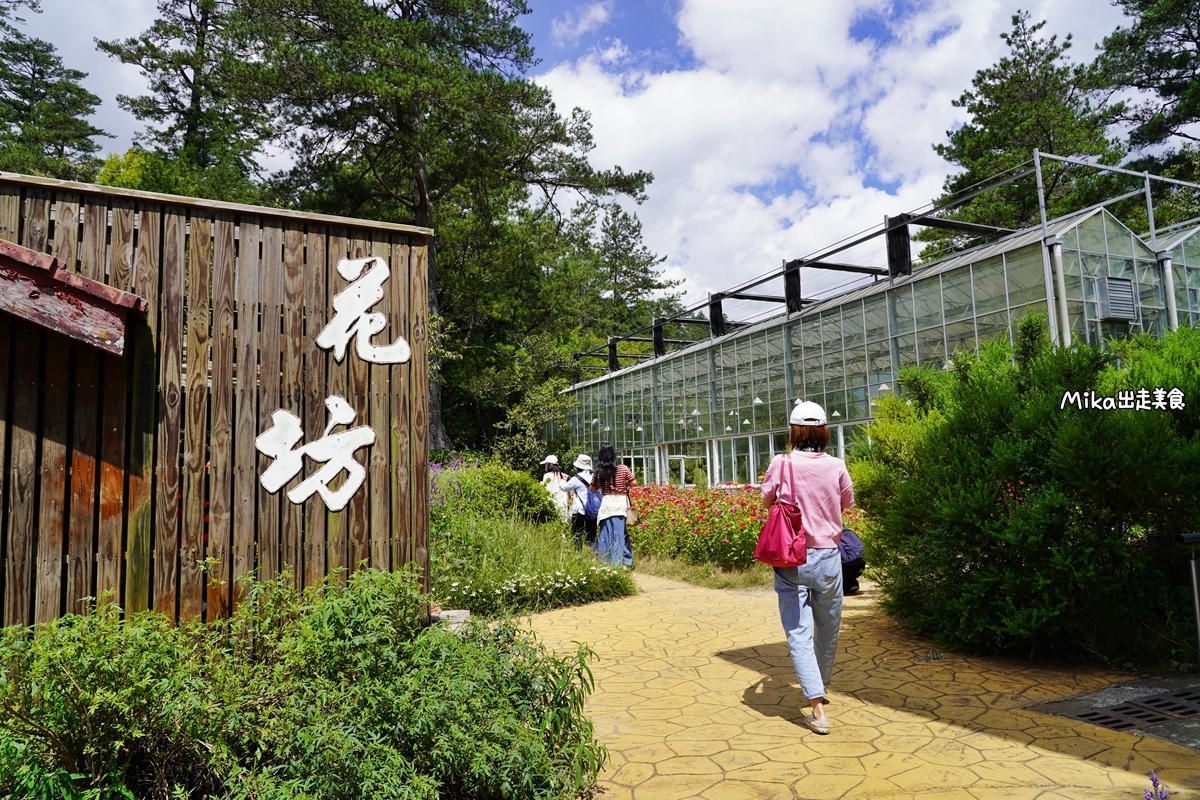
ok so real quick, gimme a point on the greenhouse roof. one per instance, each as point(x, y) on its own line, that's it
point(1175, 238)
point(1013, 241)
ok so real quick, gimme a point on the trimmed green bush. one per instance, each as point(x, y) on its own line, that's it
point(487, 489)
point(1003, 519)
point(339, 693)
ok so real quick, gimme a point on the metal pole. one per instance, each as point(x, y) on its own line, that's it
point(1149, 208)
point(1052, 317)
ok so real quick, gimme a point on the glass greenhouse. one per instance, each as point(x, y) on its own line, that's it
point(716, 411)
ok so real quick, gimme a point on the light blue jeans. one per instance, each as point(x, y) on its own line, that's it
point(610, 541)
point(810, 608)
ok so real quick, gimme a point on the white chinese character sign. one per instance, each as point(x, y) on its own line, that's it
point(352, 319)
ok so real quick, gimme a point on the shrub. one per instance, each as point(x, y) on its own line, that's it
point(714, 526)
point(1003, 520)
point(494, 566)
point(486, 489)
point(330, 693)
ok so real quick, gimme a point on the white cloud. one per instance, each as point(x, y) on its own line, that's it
point(572, 25)
point(764, 148)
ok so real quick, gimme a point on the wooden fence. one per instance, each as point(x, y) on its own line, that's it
point(136, 477)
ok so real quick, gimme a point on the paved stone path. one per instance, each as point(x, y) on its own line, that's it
point(696, 697)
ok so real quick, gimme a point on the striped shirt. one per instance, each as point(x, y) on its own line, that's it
point(621, 482)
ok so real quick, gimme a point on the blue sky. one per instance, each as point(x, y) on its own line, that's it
point(773, 127)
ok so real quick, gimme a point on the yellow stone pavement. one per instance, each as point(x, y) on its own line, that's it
point(696, 697)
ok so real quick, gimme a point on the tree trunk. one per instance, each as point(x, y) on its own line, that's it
point(438, 438)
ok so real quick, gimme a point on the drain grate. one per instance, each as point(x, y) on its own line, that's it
point(1181, 704)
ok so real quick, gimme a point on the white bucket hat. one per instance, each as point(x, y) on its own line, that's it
point(549, 460)
point(584, 462)
point(807, 413)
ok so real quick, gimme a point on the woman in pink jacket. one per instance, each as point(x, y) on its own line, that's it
point(810, 597)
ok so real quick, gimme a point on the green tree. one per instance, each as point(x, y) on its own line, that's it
point(203, 137)
point(1033, 98)
point(1158, 54)
point(394, 109)
point(43, 109)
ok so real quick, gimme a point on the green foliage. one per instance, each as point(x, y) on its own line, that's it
point(502, 566)
point(156, 171)
point(1158, 55)
point(536, 425)
point(330, 693)
point(1031, 99)
point(493, 551)
point(488, 489)
point(205, 133)
point(1005, 520)
point(43, 108)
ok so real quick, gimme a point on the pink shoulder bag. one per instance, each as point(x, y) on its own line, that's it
point(782, 541)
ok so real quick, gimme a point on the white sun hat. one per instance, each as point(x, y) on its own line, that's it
point(807, 413)
point(549, 460)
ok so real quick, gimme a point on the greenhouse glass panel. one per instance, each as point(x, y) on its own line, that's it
point(1121, 268)
point(762, 457)
point(831, 331)
point(904, 352)
point(931, 348)
point(1150, 291)
point(856, 366)
point(1154, 321)
point(834, 401)
point(960, 336)
point(796, 336)
point(779, 413)
point(834, 371)
point(876, 315)
point(741, 448)
point(991, 326)
point(1091, 235)
point(1070, 240)
point(1094, 266)
point(988, 282)
point(811, 336)
point(900, 305)
point(852, 325)
point(1120, 242)
point(956, 294)
point(879, 362)
point(725, 461)
point(1026, 275)
point(856, 403)
point(1074, 285)
point(1070, 260)
point(1191, 251)
point(928, 302)
point(1022, 311)
point(1193, 278)
point(1078, 322)
point(814, 380)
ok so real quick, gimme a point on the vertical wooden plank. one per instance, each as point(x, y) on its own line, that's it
point(88, 260)
point(6, 378)
point(316, 315)
point(170, 416)
point(271, 289)
point(401, 389)
point(379, 455)
point(337, 522)
point(221, 457)
point(23, 470)
point(53, 494)
point(143, 412)
point(93, 242)
point(66, 229)
point(195, 425)
point(245, 465)
point(419, 300)
point(359, 509)
point(293, 386)
point(37, 220)
point(113, 423)
point(10, 212)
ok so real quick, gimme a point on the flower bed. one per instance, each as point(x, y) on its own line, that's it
point(712, 526)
